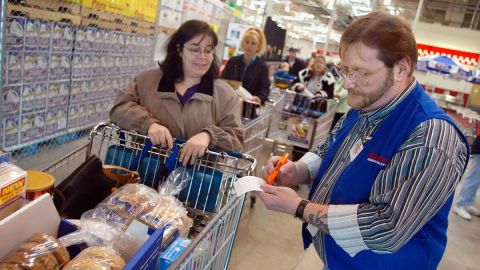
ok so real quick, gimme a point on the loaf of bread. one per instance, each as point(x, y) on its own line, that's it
point(96, 258)
point(41, 252)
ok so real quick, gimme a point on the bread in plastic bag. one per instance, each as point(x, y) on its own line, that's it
point(106, 224)
point(41, 251)
point(94, 258)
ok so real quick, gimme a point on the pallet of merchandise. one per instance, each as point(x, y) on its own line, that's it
point(55, 5)
point(36, 13)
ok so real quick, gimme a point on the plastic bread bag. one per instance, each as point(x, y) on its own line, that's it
point(176, 181)
point(96, 258)
point(41, 251)
point(169, 211)
point(95, 230)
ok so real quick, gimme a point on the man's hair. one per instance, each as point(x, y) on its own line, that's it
point(390, 35)
point(256, 34)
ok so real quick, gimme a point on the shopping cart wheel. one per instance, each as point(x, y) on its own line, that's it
point(253, 200)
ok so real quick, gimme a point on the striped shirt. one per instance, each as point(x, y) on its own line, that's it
point(417, 182)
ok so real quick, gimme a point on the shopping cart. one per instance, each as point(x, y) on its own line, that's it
point(302, 125)
point(210, 202)
point(256, 127)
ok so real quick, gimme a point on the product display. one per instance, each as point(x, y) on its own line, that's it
point(40, 252)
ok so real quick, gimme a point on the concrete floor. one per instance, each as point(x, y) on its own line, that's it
point(271, 240)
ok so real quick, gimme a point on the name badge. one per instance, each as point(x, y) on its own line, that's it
point(356, 149)
point(313, 230)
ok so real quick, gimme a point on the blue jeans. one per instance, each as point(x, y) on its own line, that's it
point(471, 183)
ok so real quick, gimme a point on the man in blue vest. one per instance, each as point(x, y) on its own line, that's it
point(382, 185)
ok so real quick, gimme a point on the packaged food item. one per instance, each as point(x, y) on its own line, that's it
point(96, 258)
point(15, 36)
point(40, 252)
point(40, 97)
point(38, 184)
point(173, 252)
point(14, 67)
point(11, 99)
point(44, 35)
point(10, 129)
point(31, 34)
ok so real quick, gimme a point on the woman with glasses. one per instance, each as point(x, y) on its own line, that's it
point(248, 68)
point(315, 79)
point(182, 98)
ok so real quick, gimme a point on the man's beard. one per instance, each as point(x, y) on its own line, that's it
point(368, 99)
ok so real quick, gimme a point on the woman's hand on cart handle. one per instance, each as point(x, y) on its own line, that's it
point(286, 174)
point(160, 135)
point(195, 147)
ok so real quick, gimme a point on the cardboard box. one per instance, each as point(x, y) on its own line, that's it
point(15, 34)
point(13, 183)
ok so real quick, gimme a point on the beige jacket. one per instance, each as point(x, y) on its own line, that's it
point(141, 104)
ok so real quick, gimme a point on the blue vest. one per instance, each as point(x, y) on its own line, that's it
point(353, 186)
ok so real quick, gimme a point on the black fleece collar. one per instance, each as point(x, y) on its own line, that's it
point(205, 87)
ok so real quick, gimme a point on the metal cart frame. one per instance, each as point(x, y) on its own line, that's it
point(211, 248)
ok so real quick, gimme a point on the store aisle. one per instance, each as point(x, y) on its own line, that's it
point(271, 240)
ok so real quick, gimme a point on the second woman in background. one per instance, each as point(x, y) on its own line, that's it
point(248, 68)
point(315, 79)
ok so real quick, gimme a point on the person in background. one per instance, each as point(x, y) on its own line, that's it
point(249, 68)
point(341, 95)
point(382, 186)
point(315, 79)
point(183, 98)
point(296, 64)
point(282, 72)
point(466, 197)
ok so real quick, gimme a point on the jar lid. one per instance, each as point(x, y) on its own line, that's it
point(38, 181)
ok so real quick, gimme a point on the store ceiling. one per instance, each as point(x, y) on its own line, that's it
point(308, 19)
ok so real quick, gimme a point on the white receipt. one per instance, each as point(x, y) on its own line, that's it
point(248, 183)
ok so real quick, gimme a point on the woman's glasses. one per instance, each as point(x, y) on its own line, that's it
point(197, 50)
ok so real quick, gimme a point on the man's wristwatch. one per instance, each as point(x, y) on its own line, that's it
point(301, 209)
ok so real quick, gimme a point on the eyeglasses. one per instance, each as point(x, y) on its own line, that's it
point(197, 50)
point(359, 78)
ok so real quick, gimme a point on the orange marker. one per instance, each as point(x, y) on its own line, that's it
point(273, 175)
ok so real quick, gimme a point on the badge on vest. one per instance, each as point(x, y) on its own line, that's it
point(356, 149)
point(382, 161)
